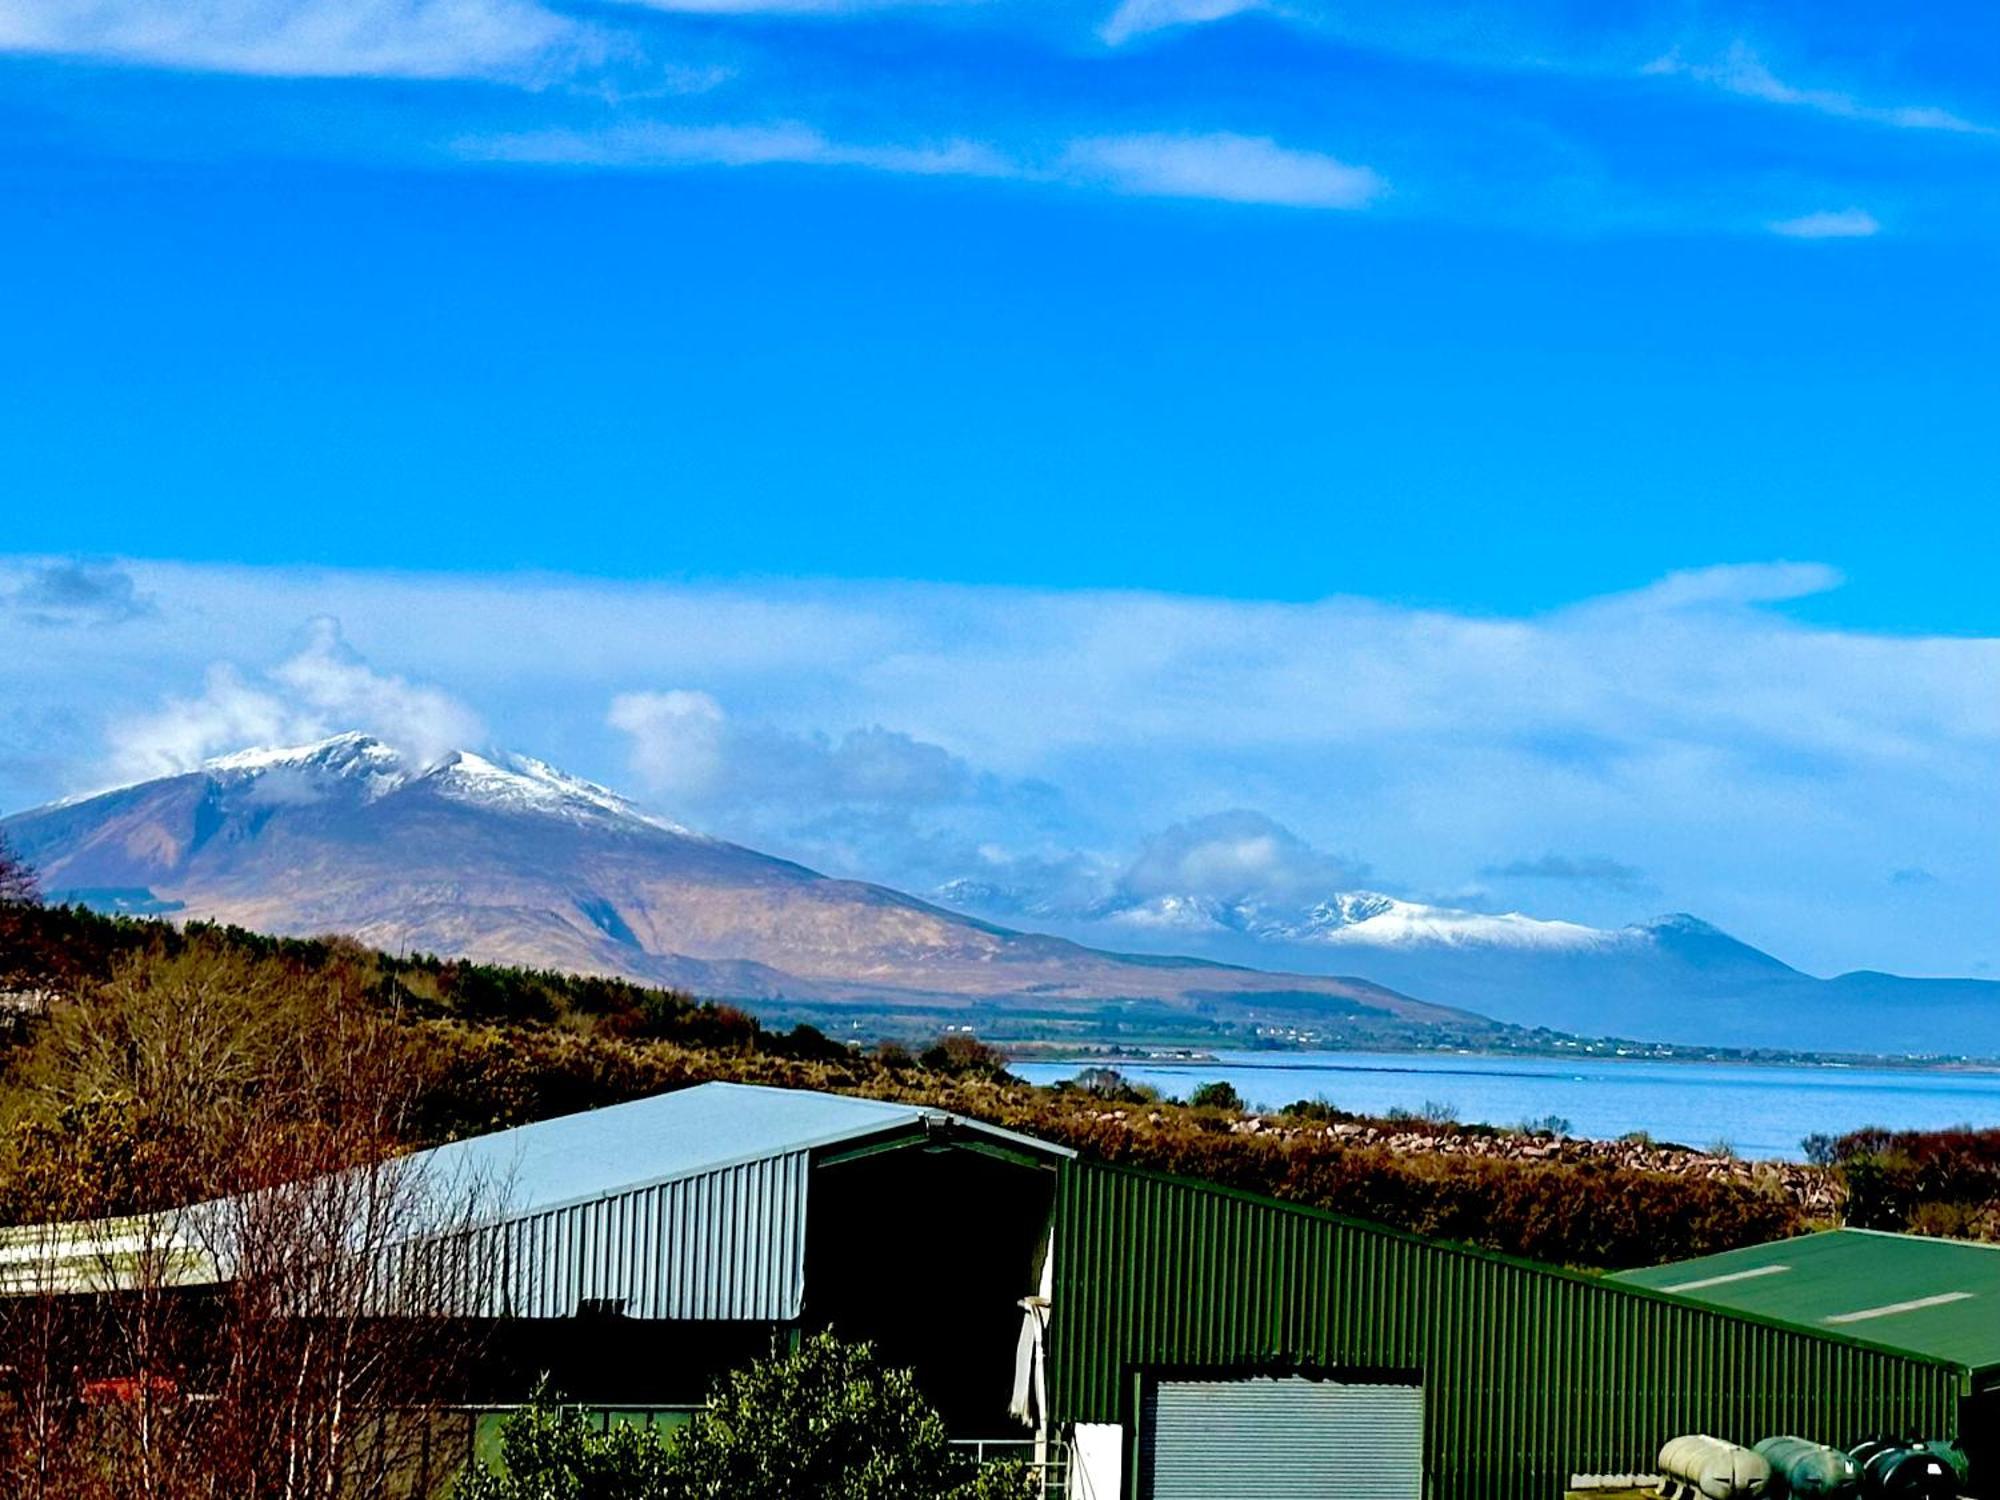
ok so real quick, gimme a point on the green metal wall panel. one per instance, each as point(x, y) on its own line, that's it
point(1530, 1374)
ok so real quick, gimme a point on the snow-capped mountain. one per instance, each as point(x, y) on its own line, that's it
point(359, 763)
point(502, 857)
point(1353, 919)
point(1674, 978)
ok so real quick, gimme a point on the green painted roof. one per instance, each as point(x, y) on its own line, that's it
point(1939, 1299)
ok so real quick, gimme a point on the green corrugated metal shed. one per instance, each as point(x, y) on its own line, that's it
point(1937, 1299)
point(1530, 1373)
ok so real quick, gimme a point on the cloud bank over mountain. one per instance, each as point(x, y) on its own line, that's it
point(1691, 744)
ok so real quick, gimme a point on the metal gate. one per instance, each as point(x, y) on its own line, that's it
point(1283, 1438)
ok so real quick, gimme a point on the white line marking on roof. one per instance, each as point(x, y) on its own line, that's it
point(1695, 1286)
point(1899, 1307)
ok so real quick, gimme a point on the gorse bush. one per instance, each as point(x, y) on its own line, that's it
point(826, 1422)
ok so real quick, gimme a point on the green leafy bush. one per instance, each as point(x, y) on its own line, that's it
point(826, 1422)
point(1222, 1096)
point(550, 1452)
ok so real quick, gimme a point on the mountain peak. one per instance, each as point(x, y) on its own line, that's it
point(1369, 918)
point(1682, 922)
point(1350, 920)
point(339, 752)
point(494, 779)
point(1706, 945)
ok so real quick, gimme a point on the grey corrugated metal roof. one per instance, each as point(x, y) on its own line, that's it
point(668, 1137)
point(690, 1204)
point(685, 1205)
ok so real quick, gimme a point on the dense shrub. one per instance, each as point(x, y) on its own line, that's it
point(1110, 1085)
point(826, 1422)
point(1929, 1182)
point(961, 1052)
point(1222, 1096)
point(1318, 1110)
point(550, 1452)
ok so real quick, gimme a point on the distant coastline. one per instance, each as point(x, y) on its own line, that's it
point(1759, 1110)
point(1609, 1050)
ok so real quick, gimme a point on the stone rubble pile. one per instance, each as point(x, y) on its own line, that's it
point(1815, 1189)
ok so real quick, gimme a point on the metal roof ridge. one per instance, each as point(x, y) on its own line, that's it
point(1001, 1133)
point(914, 1114)
point(1905, 1235)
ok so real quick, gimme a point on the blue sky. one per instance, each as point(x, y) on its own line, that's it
point(1385, 359)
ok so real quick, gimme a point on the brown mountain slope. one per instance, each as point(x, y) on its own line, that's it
point(508, 860)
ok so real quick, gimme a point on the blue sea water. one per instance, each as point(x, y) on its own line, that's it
point(1759, 1111)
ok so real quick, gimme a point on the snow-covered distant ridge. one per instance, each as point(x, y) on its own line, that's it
point(1365, 917)
point(496, 779)
point(1360, 919)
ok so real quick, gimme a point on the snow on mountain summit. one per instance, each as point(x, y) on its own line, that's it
point(520, 783)
point(1358, 919)
point(495, 779)
point(1369, 919)
point(343, 754)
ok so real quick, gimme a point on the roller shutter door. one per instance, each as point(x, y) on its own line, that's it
point(1283, 1438)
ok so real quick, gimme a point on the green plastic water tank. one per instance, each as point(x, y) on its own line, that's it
point(1803, 1468)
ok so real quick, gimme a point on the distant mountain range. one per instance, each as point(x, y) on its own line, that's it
point(504, 858)
point(1675, 978)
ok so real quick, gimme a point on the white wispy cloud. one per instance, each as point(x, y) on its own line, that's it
point(652, 144)
point(1231, 168)
point(1137, 17)
point(1221, 166)
point(1741, 71)
point(859, 801)
point(1730, 584)
point(1236, 854)
point(306, 38)
point(1833, 224)
point(323, 688)
point(686, 748)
